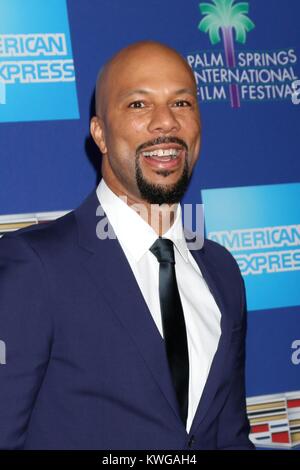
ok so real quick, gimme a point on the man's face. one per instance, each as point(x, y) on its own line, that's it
point(150, 126)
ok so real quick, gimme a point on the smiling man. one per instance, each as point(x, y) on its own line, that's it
point(123, 337)
point(147, 125)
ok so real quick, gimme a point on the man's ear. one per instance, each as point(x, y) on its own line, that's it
point(97, 132)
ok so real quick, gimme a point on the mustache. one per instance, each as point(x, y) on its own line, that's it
point(162, 140)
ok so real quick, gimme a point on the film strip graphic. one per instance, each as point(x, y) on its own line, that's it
point(11, 222)
point(275, 420)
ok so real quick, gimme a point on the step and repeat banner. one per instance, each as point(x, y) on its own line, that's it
point(245, 57)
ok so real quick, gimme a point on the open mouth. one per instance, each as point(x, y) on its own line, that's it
point(163, 156)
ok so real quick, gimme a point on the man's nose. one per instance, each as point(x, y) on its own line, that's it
point(163, 120)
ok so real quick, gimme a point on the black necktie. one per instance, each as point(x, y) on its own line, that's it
point(173, 322)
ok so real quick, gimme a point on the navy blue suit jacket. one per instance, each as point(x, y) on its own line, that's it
point(86, 366)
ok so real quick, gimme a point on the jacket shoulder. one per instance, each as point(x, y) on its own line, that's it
point(219, 255)
point(40, 235)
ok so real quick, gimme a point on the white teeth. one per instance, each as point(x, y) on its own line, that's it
point(162, 153)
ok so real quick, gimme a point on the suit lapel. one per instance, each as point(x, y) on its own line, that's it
point(218, 364)
point(113, 278)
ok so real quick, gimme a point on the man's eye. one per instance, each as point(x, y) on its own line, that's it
point(136, 104)
point(182, 103)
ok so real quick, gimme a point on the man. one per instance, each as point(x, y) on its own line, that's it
point(117, 335)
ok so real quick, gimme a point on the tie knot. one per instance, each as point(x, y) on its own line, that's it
point(163, 249)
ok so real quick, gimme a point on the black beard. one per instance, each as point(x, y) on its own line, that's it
point(158, 193)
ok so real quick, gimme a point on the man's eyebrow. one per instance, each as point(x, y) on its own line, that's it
point(142, 91)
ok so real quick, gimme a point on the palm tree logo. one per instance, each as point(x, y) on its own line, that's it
point(227, 16)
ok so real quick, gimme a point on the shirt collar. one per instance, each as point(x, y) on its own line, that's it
point(132, 231)
point(176, 234)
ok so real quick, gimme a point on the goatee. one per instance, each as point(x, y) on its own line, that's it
point(159, 193)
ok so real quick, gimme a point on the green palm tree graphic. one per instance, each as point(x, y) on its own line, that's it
point(226, 16)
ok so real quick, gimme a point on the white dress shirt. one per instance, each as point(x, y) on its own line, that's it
point(201, 313)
